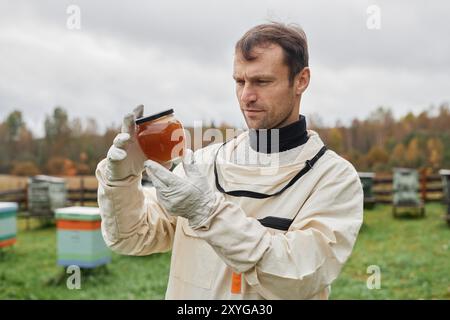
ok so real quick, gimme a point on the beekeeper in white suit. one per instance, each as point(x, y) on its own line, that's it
point(235, 230)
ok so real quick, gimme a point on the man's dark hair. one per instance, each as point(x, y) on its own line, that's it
point(292, 39)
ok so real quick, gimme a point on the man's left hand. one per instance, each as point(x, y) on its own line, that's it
point(191, 197)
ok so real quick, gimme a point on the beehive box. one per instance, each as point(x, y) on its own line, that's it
point(8, 223)
point(406, 187)
point(367, 184)
point(445, 175)
point(79, 237)
point(46, 193)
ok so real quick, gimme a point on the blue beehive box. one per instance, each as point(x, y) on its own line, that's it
point(8, 223)
point(79, 237)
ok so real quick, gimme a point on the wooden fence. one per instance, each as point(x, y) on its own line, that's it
point(430, 190)
point(79, 196)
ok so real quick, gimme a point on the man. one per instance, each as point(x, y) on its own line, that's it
point(241, 230)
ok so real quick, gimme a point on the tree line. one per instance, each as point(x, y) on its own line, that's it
point(69, 146)
point(377, 143)
point(381, 142)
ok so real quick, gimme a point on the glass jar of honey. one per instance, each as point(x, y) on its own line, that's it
point(161, 137)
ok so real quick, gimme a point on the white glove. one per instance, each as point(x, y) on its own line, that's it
point(191, 197)
point(125, 158)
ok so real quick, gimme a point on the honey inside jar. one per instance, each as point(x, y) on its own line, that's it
point(161, 137)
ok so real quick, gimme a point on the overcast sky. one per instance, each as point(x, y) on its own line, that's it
point(179, 54)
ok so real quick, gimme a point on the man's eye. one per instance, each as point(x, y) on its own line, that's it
point(262, 82)
point(240, 82)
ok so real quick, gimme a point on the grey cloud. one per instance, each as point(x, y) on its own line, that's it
point(179, 54)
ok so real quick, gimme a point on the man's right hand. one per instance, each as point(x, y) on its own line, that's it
point(125, 158)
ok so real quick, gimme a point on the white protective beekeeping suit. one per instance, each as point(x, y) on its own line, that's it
point(325, 204)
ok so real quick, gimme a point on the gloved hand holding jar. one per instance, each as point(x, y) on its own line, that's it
point(160, 139)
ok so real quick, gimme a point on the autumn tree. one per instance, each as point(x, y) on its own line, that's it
point(60, 166)
point(24, 168)
point(335, 140)
point(377, 157)
point(435, 152)
point(57, 132)
point(398, 156)
point(16, 141)
point(413, 154)
point(82, 166)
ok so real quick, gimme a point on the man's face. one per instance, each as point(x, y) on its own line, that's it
point(266, 98)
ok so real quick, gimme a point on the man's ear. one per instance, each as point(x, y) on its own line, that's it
point(301, 81)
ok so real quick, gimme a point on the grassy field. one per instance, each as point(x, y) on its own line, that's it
point(412, 254)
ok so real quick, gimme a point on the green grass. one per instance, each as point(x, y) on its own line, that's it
point(29, 271)
point(413, 255)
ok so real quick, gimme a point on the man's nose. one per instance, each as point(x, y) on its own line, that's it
point(248, 95)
